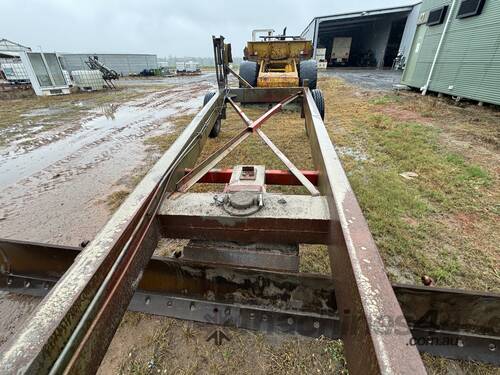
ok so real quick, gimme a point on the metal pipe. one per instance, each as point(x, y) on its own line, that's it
point(199, 171)
point(254, 33)
point(438, 50)
point(278, 107)
point(315, 37)
point(240, 78)
point(240, 113)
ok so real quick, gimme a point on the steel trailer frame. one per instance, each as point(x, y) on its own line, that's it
point(87, 292)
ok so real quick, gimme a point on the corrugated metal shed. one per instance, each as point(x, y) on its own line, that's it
point(468, 64)
point(124, 64)
point(374, 24)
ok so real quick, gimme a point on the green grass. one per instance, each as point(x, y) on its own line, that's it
point(385, 99)
point(177, 347)
point(445, 223)
point(402, 213)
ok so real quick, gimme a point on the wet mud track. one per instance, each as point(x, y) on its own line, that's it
point(64, 179)
point(55, 192)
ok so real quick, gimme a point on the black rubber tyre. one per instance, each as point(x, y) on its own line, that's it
point(320, 101)
point(308, 69)
point(216, 129)
point(249, 71)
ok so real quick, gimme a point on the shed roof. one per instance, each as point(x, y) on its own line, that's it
point(8, 45)
point(403, 6)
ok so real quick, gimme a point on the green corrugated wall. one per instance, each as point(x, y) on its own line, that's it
point(469, 61)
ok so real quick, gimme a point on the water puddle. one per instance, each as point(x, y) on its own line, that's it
point(113, 124)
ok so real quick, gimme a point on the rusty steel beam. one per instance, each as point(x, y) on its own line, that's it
point(283, 219)
point(444, 322)
point(364, 293)
point(261, 95)
point(275, 109)
point(201, 169)
point(72, 319)
point(273, 177)
point(275, 257)
point(173, 276)
point(288, 163)
point(240, 112)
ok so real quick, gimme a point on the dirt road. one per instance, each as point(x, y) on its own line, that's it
point(62, 177)
point(54, 183)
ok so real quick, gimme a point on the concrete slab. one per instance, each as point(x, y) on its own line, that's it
point(372, 79)
point(283, 219)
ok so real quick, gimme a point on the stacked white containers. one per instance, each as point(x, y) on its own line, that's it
point(191, 67)
point(180, 66)
point(321, 58)
point(187, 67)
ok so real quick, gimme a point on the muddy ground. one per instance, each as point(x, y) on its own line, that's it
point(443, 222)
point(63, 156)
point(61, 159)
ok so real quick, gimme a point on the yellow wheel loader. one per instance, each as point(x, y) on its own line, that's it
point(278, 61)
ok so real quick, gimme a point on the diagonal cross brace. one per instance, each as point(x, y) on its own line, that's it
point(288, 163)
point(240, 78)
point(206, 165)
point(295, 171)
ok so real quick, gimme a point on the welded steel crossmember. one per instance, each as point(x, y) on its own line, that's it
point(251, 127)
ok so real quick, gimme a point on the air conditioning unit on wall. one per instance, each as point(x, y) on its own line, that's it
point(423, 18)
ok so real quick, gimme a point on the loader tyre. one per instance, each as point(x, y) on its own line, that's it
point(249, 70)
point(317, 95)
point(308, 69)
point(216, 129)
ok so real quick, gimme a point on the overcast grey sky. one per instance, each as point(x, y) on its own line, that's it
point(162, 27)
